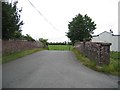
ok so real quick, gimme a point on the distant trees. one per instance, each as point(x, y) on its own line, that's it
point(11, 23)
point(81, 28)
point(59, 43)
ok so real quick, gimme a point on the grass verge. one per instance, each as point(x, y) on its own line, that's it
point(59, 47)
point(115, 55)
point(112, 68)
point(13, 56)
point(84, 60)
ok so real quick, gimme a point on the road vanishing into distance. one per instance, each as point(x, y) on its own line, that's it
point(53, 69)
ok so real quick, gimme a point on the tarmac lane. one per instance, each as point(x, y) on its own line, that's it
point(53, 69)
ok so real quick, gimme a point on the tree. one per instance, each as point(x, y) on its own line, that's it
point(44, 41)
point(28, 38)
point(81, 28)
point(11, 23)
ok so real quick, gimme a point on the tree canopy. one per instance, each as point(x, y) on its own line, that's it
point(81, 28)
point(44, 41)
point(11, 23)
point(28, 38)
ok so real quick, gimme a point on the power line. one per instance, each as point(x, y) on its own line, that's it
point(43, 16)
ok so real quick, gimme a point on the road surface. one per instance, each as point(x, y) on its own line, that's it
point(53, 69)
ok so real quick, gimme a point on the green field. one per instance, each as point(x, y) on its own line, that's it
point(59, 47)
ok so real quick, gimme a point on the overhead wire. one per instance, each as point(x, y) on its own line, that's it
point(44, 17)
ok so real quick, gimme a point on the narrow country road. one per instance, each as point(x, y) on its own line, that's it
point(53, 69)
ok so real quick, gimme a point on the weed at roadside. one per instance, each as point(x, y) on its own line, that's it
point(13, 56)
point(112, 68)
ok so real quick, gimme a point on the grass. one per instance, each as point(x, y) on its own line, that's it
point(115, 55)
point(59, 47)
point(112, 68)
point(13, 56)
point(0, 58)
point(84, 60)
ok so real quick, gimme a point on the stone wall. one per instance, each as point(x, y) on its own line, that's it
point(100, 52)
point(16, 46)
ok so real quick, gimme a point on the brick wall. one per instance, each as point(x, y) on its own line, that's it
point(100, 52)
point(15, 46)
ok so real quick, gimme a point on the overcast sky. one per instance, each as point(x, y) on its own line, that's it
point(60, 12)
